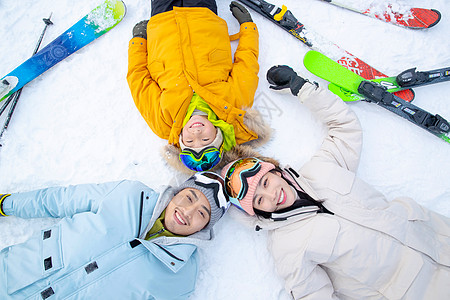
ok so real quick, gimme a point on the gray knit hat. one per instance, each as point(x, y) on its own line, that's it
point(212, 186)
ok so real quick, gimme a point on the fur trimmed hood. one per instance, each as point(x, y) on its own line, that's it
point(253, 121)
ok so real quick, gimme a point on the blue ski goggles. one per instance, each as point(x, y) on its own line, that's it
point(236, 178)
point(204, 160)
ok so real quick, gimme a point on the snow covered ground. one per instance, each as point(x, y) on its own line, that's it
point(78, 124)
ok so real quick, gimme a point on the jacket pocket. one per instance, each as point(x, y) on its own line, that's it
point(340, 180)
point(404, 275)
point(219, 57)
point(34, 260)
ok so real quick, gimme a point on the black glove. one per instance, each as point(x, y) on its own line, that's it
point(283, 77)
point(240, 12)
point(2, 198)
point(140, 29)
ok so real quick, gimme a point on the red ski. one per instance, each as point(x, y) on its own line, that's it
point(415, 18)
point(284, 18)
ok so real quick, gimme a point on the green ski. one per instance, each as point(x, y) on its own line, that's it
point(389, 83)
point(354, 87)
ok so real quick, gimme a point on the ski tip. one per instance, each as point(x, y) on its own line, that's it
point(119, 9)
point(422, 18)
point(124, 9)
point(311, 54)
point(437, 20)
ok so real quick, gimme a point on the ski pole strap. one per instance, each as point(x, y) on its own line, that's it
point(2, 198)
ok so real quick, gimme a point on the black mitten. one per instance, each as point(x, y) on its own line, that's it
point(283, 77)
point(140, 29)
point(240, 12)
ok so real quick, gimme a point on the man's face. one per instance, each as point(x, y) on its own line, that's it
point(188, 212)
point(198, 132)
point(273, 193)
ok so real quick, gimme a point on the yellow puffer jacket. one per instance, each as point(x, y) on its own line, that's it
point(188, 49)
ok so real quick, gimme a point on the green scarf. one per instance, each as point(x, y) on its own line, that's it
point(158, 229)
point(229, 140)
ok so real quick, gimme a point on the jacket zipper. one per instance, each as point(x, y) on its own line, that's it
point(140, 214)
point(139, 231)
point(156, 233)
point(168, 252)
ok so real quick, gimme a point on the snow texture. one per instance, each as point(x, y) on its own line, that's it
point(77, 123)
point(98, 18)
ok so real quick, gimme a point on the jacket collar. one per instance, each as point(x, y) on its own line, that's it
point(301, 182)
point(174, 256)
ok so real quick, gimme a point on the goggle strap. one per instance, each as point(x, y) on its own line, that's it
point(236, 203)
point(214, 187)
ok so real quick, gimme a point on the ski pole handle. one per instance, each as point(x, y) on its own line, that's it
point(47, 22)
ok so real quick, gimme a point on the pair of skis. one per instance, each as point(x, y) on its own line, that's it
point(346, 86)
point(285, 19)
point(373, 91)
point(96, 23)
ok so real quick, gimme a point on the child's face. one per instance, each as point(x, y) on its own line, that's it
point(188, 212)
point(273, 193)
point(198, 132)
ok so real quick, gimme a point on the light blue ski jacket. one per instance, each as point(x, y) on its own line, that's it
point(96, 250)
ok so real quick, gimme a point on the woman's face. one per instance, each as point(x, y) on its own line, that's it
point(189, 211)
point(198, 132)
point(273, 193)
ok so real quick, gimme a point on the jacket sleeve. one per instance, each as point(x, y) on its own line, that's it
point(144, 90)
point(244, 74)
point(58, 202)
point(343, 142)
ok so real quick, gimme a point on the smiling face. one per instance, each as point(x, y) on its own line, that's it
point(198, 132)
point(273, 193)
point(188, 212)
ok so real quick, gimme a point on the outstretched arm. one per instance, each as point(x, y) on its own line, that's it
point(57, 202)
point(342, 145)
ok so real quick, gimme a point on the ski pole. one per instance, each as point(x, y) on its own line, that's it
point(47, 22)
point(5, 104)
point(15, 97)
